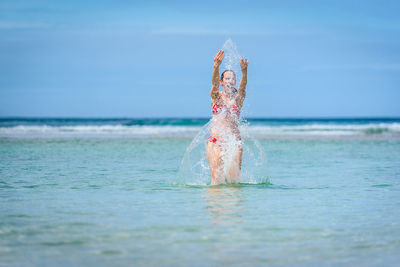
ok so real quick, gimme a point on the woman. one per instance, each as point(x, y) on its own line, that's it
point(224, 147)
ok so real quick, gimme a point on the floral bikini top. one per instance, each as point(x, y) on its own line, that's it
point(233, 109)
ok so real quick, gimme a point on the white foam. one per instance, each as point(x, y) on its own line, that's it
point(319, 129)
point(99, 130)
point(259, 131)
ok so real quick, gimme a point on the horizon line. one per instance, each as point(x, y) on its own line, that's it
point(195, 117)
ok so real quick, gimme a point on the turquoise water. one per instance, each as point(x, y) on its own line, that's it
point(90, 199)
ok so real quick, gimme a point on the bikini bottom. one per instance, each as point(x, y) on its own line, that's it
point(213, 139)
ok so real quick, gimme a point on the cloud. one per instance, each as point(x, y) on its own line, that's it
point(374, 67)
point(228, 31)
point(4, 25)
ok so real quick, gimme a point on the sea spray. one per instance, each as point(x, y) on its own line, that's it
point(195, 168)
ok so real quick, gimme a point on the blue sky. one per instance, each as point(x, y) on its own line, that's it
point(154, 58)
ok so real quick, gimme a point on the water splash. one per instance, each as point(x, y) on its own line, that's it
point(195, 168)
point(232, 58)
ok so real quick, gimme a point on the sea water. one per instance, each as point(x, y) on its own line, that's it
point(103, 192)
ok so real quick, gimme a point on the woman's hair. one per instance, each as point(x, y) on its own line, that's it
point(222, 75)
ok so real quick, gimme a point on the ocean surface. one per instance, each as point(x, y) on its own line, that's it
point(104, 192)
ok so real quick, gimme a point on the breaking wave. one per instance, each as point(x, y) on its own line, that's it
point(188, 130)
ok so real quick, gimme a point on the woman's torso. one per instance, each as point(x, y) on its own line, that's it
point(226, 114)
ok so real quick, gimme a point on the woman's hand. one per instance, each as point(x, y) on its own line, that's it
point(218, 58)
point(243, 64)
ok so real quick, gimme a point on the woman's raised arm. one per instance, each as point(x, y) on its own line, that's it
point(243, 82)
point(215, 76)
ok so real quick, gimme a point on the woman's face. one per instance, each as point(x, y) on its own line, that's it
point(229, 81)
